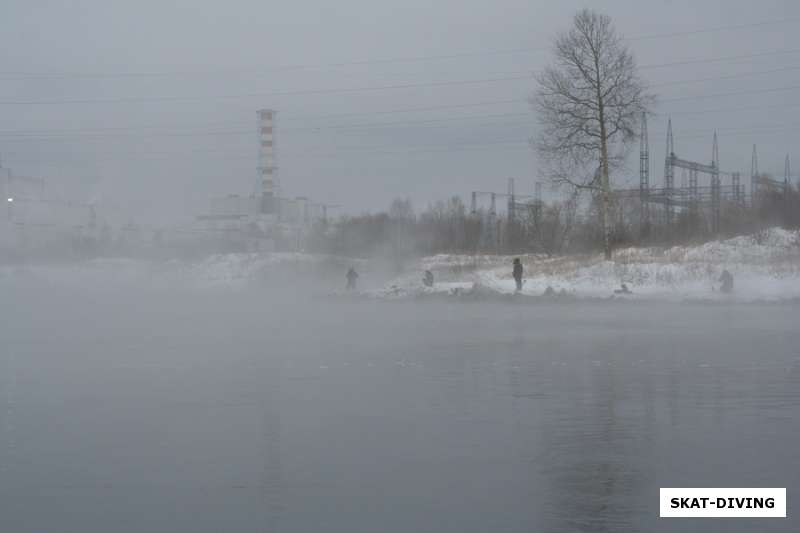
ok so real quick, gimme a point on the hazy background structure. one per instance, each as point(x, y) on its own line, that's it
point(376, 101)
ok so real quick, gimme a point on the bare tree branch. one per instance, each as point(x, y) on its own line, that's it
point(588, 103)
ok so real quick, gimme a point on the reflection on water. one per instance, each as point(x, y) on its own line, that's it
point(272, 483)
point(195, 413)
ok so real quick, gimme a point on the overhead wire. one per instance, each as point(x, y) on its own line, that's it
point(7, 76)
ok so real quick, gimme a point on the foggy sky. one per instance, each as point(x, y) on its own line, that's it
point(149, 106)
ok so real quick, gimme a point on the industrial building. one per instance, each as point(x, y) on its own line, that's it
point(35, 221)
point(266, 220)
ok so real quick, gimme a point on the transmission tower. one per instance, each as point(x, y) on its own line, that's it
point(694, 196)
point(511, 200)
point(715, 186)
point(644, 177)
point(669, 174)
point(738, 196)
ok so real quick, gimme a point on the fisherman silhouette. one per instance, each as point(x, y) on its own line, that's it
point(518, 273)
point(623, 290)
point(352, 276)
point(726, 278)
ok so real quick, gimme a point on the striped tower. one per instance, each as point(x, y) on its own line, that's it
point(267, 169)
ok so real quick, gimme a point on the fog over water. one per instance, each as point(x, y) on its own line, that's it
point(540, 327)
point(133, 411)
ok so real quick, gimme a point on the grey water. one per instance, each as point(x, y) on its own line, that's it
point(137, 411)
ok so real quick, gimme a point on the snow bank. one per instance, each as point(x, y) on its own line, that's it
point(765, 266)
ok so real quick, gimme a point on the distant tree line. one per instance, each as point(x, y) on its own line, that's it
point(567, 226)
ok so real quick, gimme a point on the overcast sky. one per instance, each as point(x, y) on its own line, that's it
point(150, 105)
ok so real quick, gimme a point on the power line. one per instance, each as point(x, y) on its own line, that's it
point(729, 109)
point(100, 130)
point(9, 76)
point(517, 118)
point(94, 132)
point(261, 94)
point(146, 157)
point(106, 129)
point(738, 93)
point(417, 109)
point(376, 150)
point(289, 117)
point(726, 77)
point(104, 132)
point(721, 59)
point(306, 92)
point(481, 145)
point(716, 29)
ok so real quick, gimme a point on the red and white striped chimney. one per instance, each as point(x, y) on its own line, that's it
point(267, 169)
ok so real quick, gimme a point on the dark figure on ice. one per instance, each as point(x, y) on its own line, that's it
point(352, 276)
point(428, 279)
point(518, 273)
point(623, 289)
point(727, 281)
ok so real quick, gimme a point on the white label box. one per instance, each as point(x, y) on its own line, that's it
point(722, 503)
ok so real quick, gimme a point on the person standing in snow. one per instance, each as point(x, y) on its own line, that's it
point(428, 279)
point(727, 281)
point(518, 273)
point(352, 276)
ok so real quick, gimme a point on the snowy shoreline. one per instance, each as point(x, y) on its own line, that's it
point(765, 266)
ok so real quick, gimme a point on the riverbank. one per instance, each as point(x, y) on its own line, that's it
point(765, 267)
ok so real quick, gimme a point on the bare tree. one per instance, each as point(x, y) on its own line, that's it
point(588, 102)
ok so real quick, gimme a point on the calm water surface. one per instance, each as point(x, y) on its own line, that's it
point(228, 412)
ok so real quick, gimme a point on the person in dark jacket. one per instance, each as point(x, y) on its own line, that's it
point(428, 279)
point(623, 289)
point(727, 281)
point(352, 276)
point(518, 273)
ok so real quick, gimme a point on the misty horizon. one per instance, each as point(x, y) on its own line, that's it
point(423, 102)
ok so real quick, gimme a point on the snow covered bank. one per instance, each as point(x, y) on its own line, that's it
point(765, 266)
